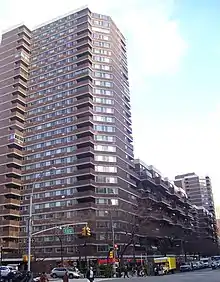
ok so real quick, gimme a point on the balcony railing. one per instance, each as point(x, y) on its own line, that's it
point(13, 202)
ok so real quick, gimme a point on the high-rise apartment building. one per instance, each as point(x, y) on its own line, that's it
point(66, 135)
point(198, 189)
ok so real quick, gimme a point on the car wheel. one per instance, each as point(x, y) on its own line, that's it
point(54, 275)
point(71, 276)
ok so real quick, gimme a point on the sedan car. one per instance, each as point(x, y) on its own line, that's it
point(60, 272)
point(5, 270)
point(185, 267)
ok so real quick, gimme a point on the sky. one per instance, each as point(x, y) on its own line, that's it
point(174, 66)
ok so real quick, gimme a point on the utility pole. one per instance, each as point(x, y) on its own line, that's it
point(30, 227)
point(1, 255)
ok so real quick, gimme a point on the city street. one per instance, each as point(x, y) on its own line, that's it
point(196, 276)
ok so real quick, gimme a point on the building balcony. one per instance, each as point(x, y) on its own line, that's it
point(20, 73)
point(87, 120)
point(20, 83)
point(11, 223)
point(10, 234)
point(12, 191)
point(84, 102)
point(83, 150)
point(85, 182)
point(166, 218)
point(23, 43)
point(19, 91)
point(84, 129)
point(10, 245)
point(15, 124)
point(82, 171)
point(164, 201)
point(15, 161)
point(13, 172)
point(11, 202)
point(86, 160)
point(13, 180)
point(12, 152)
point(84, 110)
point(85, 205)
point(18, 107)
point(151, 197)
point(17, 116)
point(24, 31)
point(17, 98)
point(84, 140)
point(11, 212)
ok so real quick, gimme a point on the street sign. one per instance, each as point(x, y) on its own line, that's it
point(68, 230)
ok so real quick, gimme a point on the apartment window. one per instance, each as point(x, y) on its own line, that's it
point(103, 75)
point(104, 138)
point(104, 101)
point(105, 148)
point(106, 201)
point(104, 118)
point(106, 179)
point(101, 236)
point(103, 83)
point(103, 248)
point(109, 169)
point(105, 158)
point(108, 190)
point(102, 44)
point(101, 59)
point(102, 67)
point(103, 92)
point(105, 128)
point(104, 110)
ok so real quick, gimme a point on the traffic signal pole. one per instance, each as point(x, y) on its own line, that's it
point(113, 244)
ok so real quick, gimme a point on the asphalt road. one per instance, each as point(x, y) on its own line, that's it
point(195, 276)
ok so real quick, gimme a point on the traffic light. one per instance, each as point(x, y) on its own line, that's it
point(84, 231)
point(111, 254)
point(88, 231)
point(25, 258)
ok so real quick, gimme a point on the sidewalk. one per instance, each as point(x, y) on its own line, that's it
point(79, 280)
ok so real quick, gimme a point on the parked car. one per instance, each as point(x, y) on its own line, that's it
point(185, 267)
point(5, 270)
point(60, 272)
point(215, 264)
point(196, 265)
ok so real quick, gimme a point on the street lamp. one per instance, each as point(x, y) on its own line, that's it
point(30, 217)
point(61, 242)
point(113, 203)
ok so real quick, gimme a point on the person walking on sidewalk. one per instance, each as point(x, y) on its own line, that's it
point(90, 274)
point(43, 277)
point(126, 272)
point(66, 277)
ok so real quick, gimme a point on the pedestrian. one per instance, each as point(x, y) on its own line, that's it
point(90, 274)
point(126, 272)
point(43, 277)
point(66, 277)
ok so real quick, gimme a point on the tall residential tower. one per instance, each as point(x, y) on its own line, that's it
point(66, 134)
point(198, 189)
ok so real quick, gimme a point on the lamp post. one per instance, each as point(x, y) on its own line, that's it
point(113, 203)
point(59, 228)
point(30, 217)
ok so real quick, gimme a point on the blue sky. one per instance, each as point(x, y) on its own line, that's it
point(174, 55)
